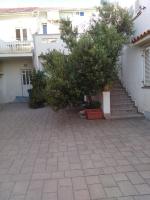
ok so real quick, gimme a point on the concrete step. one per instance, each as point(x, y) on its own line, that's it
point(127, 116)
point(122, 104)
point(119, 89)
point(118, 93)
point(123, 112)
point(120, 98)
point(124, 108)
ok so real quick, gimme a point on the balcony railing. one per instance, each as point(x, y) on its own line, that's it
point(15, 47)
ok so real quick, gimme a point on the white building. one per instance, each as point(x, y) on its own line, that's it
point(19, 52)
point(135, 69)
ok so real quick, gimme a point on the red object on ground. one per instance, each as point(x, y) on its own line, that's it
point(94, 114)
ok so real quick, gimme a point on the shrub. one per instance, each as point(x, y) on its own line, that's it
point(37, 93)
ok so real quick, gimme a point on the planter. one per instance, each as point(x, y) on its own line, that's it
point(94, 113)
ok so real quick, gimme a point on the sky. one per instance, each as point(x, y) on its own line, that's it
point(58, 3)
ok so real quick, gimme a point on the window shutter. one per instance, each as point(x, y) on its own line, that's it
point(24, 34)
point(147, 67)
point(18, 36)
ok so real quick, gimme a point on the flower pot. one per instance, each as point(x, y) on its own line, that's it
point(94, 113)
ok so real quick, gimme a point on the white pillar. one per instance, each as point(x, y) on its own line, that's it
point(106, 104)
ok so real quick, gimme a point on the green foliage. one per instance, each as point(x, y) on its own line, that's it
point(60, 89)
point(92, 105)
point(37, 93)
point(92, 62)
point(114, 15)
point(68, 33)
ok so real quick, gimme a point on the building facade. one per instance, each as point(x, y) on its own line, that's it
point(25, 34)
point(135, 59)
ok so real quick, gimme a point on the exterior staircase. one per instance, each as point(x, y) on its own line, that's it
point(122, 105)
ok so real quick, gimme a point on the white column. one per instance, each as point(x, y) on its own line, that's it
point(106, 104)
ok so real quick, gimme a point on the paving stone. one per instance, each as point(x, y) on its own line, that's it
point(36, 185)
point(120, 177)
point(73, 173)
point(65, 182)
point(113, 192)
point(127, 188)
point(65, 193)
point(143, 188)
point(20, 187)
point(50, 186)
point(145, 174)
point(135, 178)
point(46, 155)
point(33, 195)
point(107, 180)
point(92, 179)
point(82, 195)
point(143, 197)
point(79, 183)
point(96, 191)
point(49, 196)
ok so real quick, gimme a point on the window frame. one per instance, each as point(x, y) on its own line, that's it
point(144, 68)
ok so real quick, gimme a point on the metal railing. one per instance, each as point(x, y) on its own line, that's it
point(15, 47)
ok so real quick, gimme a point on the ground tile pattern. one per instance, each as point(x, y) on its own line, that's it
point(47, 155)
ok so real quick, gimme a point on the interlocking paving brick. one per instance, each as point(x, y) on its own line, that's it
point(79, 183)
point(92, 179)
point(120, 177)
point(17, 197)
point(96, 191)
point(50, 186)
point(82, 195)
point(145, 174)
point(143, 188)
point(46, 155)
point(65, 193)
point(65, 182)
point(34, 195)
point(143, 197)
point(127, 188)
point(135, 178)
point(73, 173)
point(49, 196)
point(107, 180)
point(20, 187)
point(113, 192)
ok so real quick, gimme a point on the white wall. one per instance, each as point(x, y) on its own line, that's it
point(142, 23)
point(11, 80)
point(132, 77)
point(132, 61)
point(44, 44)
point(10, 24)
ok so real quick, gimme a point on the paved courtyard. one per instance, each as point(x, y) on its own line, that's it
point(58, 156)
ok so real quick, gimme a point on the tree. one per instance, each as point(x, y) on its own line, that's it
point(60, 89)
point(92, 61)
point(114, 15)
point(68, 33)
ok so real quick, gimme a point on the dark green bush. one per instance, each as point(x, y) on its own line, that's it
point(92, 105)
point(37, 93)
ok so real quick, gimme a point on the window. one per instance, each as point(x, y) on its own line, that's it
point(26, 76)
point(18, 35)
point(81, 13)
point(147, 67)
point(45, 29)
point(21, 34)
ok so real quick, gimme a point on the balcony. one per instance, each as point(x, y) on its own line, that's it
point(16, 49)
point(44, 43)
